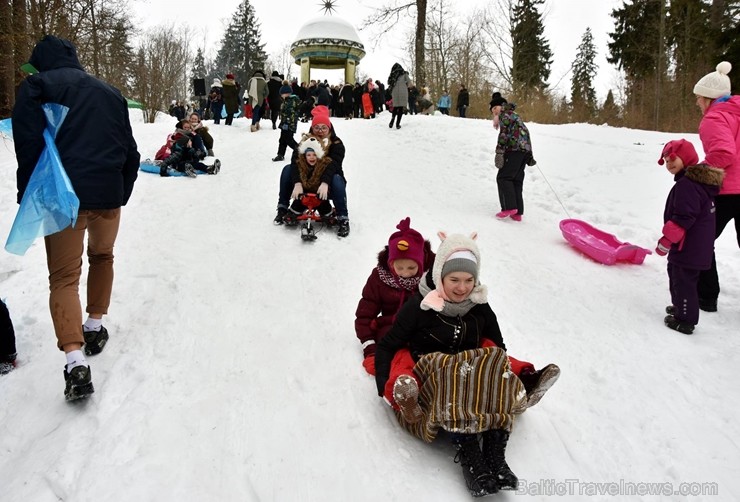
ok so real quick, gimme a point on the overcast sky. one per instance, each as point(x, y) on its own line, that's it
point(280, 20)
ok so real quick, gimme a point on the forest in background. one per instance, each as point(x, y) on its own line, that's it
point(660, 47)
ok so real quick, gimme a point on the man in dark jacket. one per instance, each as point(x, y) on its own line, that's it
point(463, 100)
point(273, 96)
point(99, 153)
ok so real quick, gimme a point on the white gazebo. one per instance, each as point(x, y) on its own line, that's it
point(327, 43)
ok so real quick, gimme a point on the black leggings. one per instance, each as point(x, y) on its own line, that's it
point(727, 208)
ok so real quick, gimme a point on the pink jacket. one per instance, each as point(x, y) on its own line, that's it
point(719, 132)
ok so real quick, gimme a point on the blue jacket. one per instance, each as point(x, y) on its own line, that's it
point(95, 141)
point(444, 101)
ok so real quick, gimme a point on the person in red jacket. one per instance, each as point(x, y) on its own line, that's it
point(401, 265)
point(395, 279)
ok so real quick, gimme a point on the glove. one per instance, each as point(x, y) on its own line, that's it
point(285, 127)
point(297, 190)
point(323, 191)
point(530, 160)
point(664, 245)
point(369, 364)
point(499, 161)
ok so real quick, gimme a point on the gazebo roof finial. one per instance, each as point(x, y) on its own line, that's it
point(329, 6)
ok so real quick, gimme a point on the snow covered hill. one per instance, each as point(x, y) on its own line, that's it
point(233, 372)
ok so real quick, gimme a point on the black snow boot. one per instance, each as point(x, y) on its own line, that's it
point(494, 453)
point(78, 383)
point(478, 476)
point(343, 228)
point(680, 326)
point(280, 216)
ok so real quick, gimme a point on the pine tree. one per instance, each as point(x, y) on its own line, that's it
point(609, 113)
point(241, 51)
point(583, 95)
point(531, 54)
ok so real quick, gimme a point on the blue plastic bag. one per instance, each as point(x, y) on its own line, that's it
point(49, 203)
point(6, 128)
point(236, 115)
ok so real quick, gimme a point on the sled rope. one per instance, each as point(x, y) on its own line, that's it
point(553, 191)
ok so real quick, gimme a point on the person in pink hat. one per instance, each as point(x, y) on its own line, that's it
point(688, 230)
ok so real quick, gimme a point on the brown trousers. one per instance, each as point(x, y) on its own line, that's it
point(64, 259)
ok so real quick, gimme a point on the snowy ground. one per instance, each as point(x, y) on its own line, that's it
point(233, 372)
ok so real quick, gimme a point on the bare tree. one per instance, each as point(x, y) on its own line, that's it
point(441, 45)
point(160, 72)
point(498, 48)
point(7, 89)
point(388, 17)
point(282, 61)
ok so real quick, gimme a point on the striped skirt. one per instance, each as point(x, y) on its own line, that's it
point(468, 392)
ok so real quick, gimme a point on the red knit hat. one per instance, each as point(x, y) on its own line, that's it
point(682, 149)
point(321, 115)
point(406, 243)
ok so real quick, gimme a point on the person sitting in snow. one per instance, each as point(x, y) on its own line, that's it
point(180, 154)
point(449, 335)
point(689, 229)
point(7, 341)
point(311, 172)
point(204, 141)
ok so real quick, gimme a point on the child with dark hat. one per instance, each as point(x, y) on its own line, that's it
point(289, 111)
point(689, 229)
point(395, 278)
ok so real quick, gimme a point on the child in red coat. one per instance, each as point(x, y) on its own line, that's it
point(401, 264)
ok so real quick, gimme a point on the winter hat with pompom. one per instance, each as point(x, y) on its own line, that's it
point(407, 244)
point(286, 89)
point(682, 149)
point(716, 84)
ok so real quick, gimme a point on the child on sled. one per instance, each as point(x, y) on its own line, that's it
point(311, 172)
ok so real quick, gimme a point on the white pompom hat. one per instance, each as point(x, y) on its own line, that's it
point(716, 84)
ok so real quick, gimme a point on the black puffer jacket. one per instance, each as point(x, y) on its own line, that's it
point(95, 141)
point(427, 331)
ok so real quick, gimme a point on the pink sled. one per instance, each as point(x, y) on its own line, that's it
point(599, 245)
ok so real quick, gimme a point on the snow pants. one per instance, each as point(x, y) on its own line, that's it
point(682, 282)
point(510, 181)
point(64, 260)
point(727, 208)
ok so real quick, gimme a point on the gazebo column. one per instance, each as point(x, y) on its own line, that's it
point(350, 71)
point(305, 70)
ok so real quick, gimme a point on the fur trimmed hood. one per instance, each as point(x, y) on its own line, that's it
point(705, 174)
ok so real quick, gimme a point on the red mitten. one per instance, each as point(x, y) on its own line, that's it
point(664, 245)
point(369, 364)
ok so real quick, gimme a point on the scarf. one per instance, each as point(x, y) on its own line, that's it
point(449, 309)
point(397, 282)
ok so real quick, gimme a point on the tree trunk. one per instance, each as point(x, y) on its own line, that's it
point(421, 33)
point(7, 83)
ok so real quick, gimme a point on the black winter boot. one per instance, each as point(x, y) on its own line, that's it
point(494, 453)
point(478, 476)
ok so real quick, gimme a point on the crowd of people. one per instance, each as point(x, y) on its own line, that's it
point(428, 334)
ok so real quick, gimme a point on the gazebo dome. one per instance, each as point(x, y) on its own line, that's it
point(328, 27)
point(327, 42)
